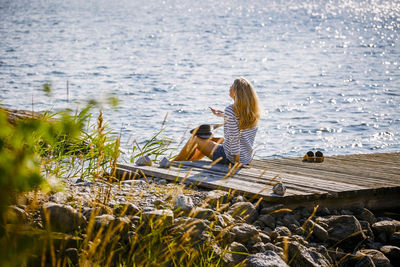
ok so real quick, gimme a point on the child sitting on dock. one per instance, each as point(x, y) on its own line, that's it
point(240, 128)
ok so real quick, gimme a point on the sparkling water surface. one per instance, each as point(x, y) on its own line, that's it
point(327, 72)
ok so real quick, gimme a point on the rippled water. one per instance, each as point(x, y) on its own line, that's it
point(327, 72)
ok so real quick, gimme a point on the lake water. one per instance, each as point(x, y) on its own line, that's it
point(327, 72)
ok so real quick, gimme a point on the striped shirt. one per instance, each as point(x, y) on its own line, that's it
point(237, 142)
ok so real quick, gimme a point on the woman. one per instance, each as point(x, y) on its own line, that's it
point(240, 128)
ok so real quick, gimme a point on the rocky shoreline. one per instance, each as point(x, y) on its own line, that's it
point(240, 230)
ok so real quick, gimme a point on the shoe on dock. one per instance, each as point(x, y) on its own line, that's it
point(309, 157)
point(319, 157)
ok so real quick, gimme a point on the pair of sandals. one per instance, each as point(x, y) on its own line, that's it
point(311, 157)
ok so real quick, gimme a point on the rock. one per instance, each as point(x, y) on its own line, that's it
point(243, 210)
point(279, 189)
point(346, 212)
point(367, 229)
point(62, 218)
point(131, 183)
point(160, 181)
point(240, 248)
point(164, 163)
point(362, 261)
point(395, 239)
point(109, 223)
point(387, 227)
point(302, 256)
point(253, 240)
point(392, 253)
point(397, 224)
point(295, 229)
point(162, 217)
point(72, 255)
point(318, 231)
point(270, 209)
point(289, 219)
point(191, 227)
point(143, 161)
point(239, 198)
point(323, 211)
point(225, 220)
point(238, 257)
point(266, 259)
point(258, 248)
point(217, 197)
point(202, 213)
point(344, 230)
point(59, 197)
point(126, 209)
point(276, 249)
point(366, 215)
point(283, 231)
point(96, 211)
point(268, 220)
point(183, 203)
point(265, 238)
point(16, 215)
point(379, 259)
point(243, 232)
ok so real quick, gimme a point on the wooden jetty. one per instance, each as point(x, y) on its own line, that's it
point(365, 180)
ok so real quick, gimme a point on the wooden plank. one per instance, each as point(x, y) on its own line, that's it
point(329, 175)
point(308, 183)
point(328, 172)
point(204, 176)
point(212, 182)
point(326, 166)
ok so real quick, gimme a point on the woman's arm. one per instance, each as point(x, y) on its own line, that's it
point(218, 113)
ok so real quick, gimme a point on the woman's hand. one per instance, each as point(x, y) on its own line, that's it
point(216, 112)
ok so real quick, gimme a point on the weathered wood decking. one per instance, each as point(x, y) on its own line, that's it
point(367, 180)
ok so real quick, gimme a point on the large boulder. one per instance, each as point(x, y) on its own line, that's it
point(379, 259)
point(300, 255)
point(344, 231)
point(266, 259)
point(243, 232)
point(244, 211)
point(62, 218)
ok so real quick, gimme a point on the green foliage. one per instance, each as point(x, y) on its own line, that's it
point(155, 147)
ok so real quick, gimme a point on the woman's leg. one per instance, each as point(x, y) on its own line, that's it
point(196, 148)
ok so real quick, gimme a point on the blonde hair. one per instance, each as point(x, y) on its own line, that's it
point(246, 106)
